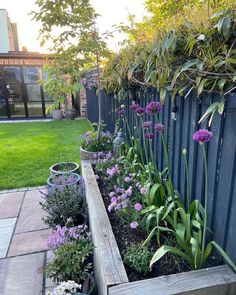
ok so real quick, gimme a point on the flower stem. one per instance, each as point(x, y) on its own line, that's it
point(205, 204)
point(188, 183)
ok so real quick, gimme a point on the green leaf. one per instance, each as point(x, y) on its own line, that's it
point(165, 249)
point(224, 255)
point(201, 86)
point(211, 108)
point(153, 192)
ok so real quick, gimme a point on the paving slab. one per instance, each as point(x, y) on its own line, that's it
point(7, 226)
point(49, 284)
point(22, 275)
point(31, 214)
point(29, 242)
point(10, 204)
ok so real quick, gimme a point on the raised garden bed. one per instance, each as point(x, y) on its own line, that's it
point(110, 272)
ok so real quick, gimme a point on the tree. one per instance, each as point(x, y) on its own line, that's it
point(70, 27)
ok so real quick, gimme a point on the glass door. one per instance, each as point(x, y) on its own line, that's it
point(14, 92)
point(35, 101)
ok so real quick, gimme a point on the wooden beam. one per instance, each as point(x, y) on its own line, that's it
point(220, 280)
point(108, 266)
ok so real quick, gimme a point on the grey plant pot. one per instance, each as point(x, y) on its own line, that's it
point(57, 115)
point(50, 179)
point(55, 169)
point(70, 114)
point(87, 155)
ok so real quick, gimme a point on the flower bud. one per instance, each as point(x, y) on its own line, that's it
point(184, 152)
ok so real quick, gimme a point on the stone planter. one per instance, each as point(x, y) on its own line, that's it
point(57, 115)
point(70, 114)
point(110, 273)
point(58, 168)
point(87, 155)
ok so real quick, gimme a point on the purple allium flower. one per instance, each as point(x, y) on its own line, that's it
point(153, 107)
point(112, 194)
point(143, 190)
point(147, 124)
point(134, 106)
point(113, 170)
point(148, 135)
point(140, 111)
point(134, 224)
point(159, 127)
point(114, 199)
point(121, 113)
point(123, 196)
point(127, 179)
point(202, 136)
point(129, 191)
point(138, 207)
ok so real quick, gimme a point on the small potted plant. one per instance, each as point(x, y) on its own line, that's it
point(63, 179)
point(71, 263)
point(64, 204)
point(95, 142)
point(64, 168)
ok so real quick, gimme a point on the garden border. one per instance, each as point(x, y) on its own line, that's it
point(110, 274)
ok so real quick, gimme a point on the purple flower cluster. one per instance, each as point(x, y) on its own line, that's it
point(159, 127)
point(64, 235)
point(147, 124)
point(64, 180)
point(134, 106)
point(202, 136)
point(143, 190)
point(102, 157)
point(119, 198)
point(140, 111)
point(121, 113)
point(153, 107)
point(113, 170)
point(148, 135)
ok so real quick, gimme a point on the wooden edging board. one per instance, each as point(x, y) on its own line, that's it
point(108, 266)
point(110, 274)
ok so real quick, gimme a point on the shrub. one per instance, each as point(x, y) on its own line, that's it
point(91, 141)
point(138, 258)
point(63, 203)
point(71, 261)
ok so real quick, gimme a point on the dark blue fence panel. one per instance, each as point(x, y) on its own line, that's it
point(180, 119)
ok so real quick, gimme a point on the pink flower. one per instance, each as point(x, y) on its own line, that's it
point(114, 199)
point(147, 124)
point(134, 224)
point(129, 191)
point(159, 127)
point(143, 190)
point(148, 135)
point(134, 106)
point(127, 179)
point(202, 136)
point(138, 207)
point(153, 107)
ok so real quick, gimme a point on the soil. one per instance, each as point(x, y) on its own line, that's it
point(168, 264)
point(64, 167)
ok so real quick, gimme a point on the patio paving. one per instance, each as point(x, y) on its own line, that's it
point(23, 251)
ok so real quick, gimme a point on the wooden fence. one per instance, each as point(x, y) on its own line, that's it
point(180, 119)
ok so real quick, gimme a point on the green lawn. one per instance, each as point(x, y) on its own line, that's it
point(27, 150)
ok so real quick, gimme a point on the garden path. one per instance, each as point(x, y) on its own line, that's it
point(23, 250)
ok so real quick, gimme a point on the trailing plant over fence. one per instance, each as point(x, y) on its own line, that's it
point(191, 57)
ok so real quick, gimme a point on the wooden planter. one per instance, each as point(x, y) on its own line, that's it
point(110, 274)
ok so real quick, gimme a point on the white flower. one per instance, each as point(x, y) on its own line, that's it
point(201, 37)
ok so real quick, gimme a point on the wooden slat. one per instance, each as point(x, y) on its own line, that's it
point(108, 265)
point(213, 281)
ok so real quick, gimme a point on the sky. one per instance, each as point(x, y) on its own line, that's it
point(112, 12)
